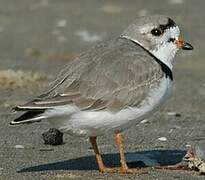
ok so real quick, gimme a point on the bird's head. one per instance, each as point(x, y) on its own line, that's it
point(159, 35)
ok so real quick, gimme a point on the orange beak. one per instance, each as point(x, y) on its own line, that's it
point(181, 44)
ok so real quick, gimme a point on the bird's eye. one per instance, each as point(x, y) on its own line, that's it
point(157, 32)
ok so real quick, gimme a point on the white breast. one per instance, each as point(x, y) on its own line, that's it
point(72, 120)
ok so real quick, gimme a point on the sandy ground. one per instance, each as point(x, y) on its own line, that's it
point(38, 37)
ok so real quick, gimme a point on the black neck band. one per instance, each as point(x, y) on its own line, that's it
point(164, 67)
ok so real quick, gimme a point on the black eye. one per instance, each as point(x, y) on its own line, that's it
point(156, 32)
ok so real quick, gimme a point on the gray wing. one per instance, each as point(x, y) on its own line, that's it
point(111, 76)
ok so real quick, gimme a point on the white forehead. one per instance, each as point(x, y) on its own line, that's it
point(173, 32)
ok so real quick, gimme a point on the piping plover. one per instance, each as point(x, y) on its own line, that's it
point(112, 86)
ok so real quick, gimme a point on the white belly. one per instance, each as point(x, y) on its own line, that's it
point(72, 120)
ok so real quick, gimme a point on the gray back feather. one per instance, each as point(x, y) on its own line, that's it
point(111, 75)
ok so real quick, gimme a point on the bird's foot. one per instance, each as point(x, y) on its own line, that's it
point(123, 170)
point(108, 170)
point(132, 171)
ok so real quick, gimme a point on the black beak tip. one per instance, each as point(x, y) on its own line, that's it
point(187, 46)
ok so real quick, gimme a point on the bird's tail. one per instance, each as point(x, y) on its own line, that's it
point(30, 116)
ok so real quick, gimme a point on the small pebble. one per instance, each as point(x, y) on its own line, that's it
point(173, 114)
point(53, 137)
point(170, 131)
point(19, 146)
point(62, 23)
point(162, 139)
point(178, 115)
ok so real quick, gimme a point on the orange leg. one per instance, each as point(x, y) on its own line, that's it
point(120, 141)
point(124, 167)
point(101, 165)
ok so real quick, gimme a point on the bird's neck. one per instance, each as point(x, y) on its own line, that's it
point(163, 57)
point(166, 53)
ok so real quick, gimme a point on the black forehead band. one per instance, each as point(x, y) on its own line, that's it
point(169, 25)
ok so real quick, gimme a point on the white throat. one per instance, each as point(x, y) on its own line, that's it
point(166, 53)
point(165, 50)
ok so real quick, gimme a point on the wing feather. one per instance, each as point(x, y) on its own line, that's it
point(110, 76)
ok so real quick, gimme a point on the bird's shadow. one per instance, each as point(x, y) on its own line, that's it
point(135, 159)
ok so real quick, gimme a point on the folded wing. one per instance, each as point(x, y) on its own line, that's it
point(111, 76)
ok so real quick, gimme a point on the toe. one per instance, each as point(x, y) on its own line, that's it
point(123, 170)
point(132, 171)
point(109, 170)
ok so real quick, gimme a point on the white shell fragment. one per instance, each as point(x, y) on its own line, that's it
point(144, 121)
point(162, 139)
point(171, 113)
point(188, 145)
point(19, 146)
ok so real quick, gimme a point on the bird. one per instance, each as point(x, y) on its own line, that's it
point(112, 86)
